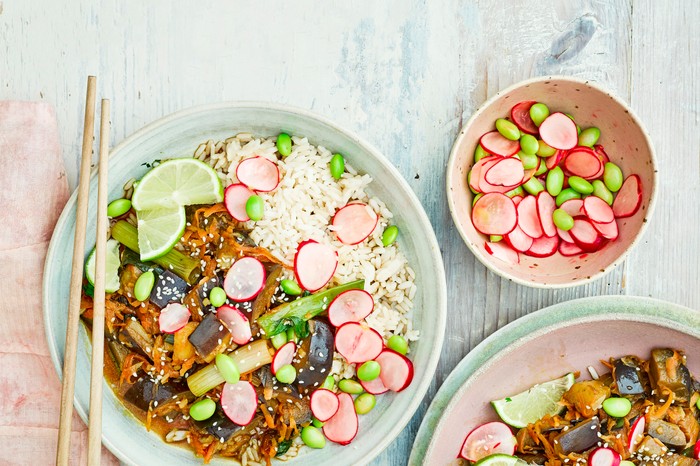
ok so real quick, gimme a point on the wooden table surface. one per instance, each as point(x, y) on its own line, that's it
point(403, 74)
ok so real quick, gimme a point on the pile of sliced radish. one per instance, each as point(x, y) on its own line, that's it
point(173, 317)
point(314, 264)
point(245, 279)
point(255, 174)
point(488, 439)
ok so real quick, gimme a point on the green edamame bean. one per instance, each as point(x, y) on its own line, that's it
point(398, 344)
point(286, 374)
point(578, 128)
point(368, 371)
point(350, 386)
point(529, 144)
point(601, 191)
point(479, 153)
point(337, 165)
point(562, 219)
point(329, 383)
point(626, 462)
point(545, 150)
point(279, 340)
point(365, 403)
point(697, 403)
point(542, 169)
point(227, 368)
point(516, 192)
point(495, 238)
point(284, 144)
point(317, 423)
point(469, 182)
point(118, 207)
point(589, 137)
point(533, 186)
point(476, 198)
point(313, 437)
point(529, 160)
point(612, 176)
point(202, 409)
point(217, 296)
point(539, 112)
point(255, 207)
point(390, 235)
point(290, 287)
point(580, 185)
point(567, 194)
point(144, 285)
point(617, 407)
point(555, 181)
point(507, 129)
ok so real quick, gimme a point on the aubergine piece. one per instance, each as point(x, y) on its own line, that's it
point(650, 446)
point(686, 420)
point(668, 372)
point(627, 374)
point(167, 289)
point(219, 425)
point(579, 438)
point(315, 356)
point(195, 299)
point(135, 337)
point(669, 434)
point(526, 444)
point(208, 335)
point(145, 391)
point(534, 459)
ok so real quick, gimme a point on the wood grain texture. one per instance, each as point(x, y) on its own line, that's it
point(405, 75)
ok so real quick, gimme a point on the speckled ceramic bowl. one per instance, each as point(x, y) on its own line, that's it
point(542, 346)
point(626, 142)
point(178, 135)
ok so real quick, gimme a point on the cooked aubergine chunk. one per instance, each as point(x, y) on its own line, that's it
point(579, 438)
point(145, 391)
point(669, 373)
point(627, 374)
point(167, 289)
point(669, 434)
point(208, 335)
point(650, 446)
point(314, 356)
point(219, 425)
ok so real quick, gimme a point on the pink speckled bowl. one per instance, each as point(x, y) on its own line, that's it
point(626, 142)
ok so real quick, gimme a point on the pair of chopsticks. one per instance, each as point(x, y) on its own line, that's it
point(69, 361)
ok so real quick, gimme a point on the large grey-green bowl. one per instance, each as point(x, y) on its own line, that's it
point(178, 135)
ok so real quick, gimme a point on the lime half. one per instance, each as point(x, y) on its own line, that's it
point(112, 263)
point(177, 183)
point(499, 459)
point(533, 404)
point(159, 230)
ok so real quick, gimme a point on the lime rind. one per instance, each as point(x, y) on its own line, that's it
point(500, 459)
point(159, 230)
point(112, 263)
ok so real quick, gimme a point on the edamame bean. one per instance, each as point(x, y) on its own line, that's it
point(390, 235)
point(533, 186)
point(542, 169)
point(626, 462)
point(580, 185)
point(337, 165)
point(279, 340)
point(144, 285)
point(469, 182)
point(529, 144)
point(601, 191)
point(529, 160)
point(227, 368)
point(290, 287)
point(286, 374)
point(255, 207)
point(563, 220)
point(612, 176)
point(313, 437)
point(567, 194)
point(350, 386)
point(545, 150)
point(589, 137)
point(329, 383)
point(555, 181)
point(476, 198)
point(539, 112)
point(516, 192)
point(398, 344)
point(495, 238)
point(368, 371)
point(317, 423)
point(118, 207)
point(507, 129)
point(479, 153)
point(365, 403)
point(202, 409)
point(617, 407)
point(284, 144)
point(217, 296)
point(697, 403)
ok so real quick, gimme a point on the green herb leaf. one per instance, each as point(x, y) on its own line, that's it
point(283, 447)
point(89, 290)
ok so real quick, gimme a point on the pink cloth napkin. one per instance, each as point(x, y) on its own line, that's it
point(33, 191)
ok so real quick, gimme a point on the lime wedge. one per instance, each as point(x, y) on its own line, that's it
point(533, 404)
point(112, 263)
point(499, 459)
point(159, 230)
point(177, 183)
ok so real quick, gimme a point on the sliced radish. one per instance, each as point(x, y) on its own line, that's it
point(636, 434)
point(598, 210)
point(375, 387)
point(173, 317)
point(559, 131)
point(505, 172)
point(283, 356)
point(554, 160)
point(604, 457)
point(546, 205)
point(324, 404)
point(696, 450)
point(350, 306)
point(486, 187)
point(573, 207)
point(237, 324)
point(396, 370)
point(245, 279)
point(502, 252)
point(628, 198)
point(516, 200)
point(520, 115)
point(543, 247)
point(235, 198)
point(528, 219)
point(488, 439)
point(583, 162)
point(258, 173)
point(494, 214)
point(585, 236)
point(239, 402)
point(518, 240)
point(354, 223)
point(569, 249)
point(527, 176)
point(342, 427)
point(600, 151)
point(565, 235)
point(314, 265)
point(477, 173)
point(358, 343)
point(607, 230)
point(494, 143)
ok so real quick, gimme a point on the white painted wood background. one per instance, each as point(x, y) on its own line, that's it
point(404, 74)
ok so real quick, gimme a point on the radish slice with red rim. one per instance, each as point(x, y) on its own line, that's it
point(494, 143)
point(258, 173)
point(494, 214)
point(283, 356)
point(607, 230)
point(488, 439)
point(528, 218)
point(342, 427)
point(237, 324)
point(583, 162)
point(396, 370)
point(585, 236)
point(502, 252)
point(543, 247)
point(324, 404)
point(696, 450)
point(636, 434)
point(477, 173)
point(314, 265)
point(486, 187)
point(600, 151)
point(554, 160)
point(559, 131)
point(546, 205)
point(245, 279)
point(573, 207)
point(628, 198)
point(516, 200)
point(520, 115)
point(565, 235)
point(350, 306)
point(239, 402)
point(518, 240)
point(569, 249)
point(604, 457)
point(173, 317)
point(527, 176)
point(354, 223)
point(505, 172)
point(235, 198)
point(375, 387)
point(598, 210)
point(358, 343)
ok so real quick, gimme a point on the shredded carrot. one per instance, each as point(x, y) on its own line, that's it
point(187, 365)
point(210, 451)
point(130, 366)
point(216, 208)
point(268, 418)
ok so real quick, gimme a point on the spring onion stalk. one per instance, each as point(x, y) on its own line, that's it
point(180, 264)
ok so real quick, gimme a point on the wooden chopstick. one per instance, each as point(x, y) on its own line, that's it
point(76, 279)
point(98, 312)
